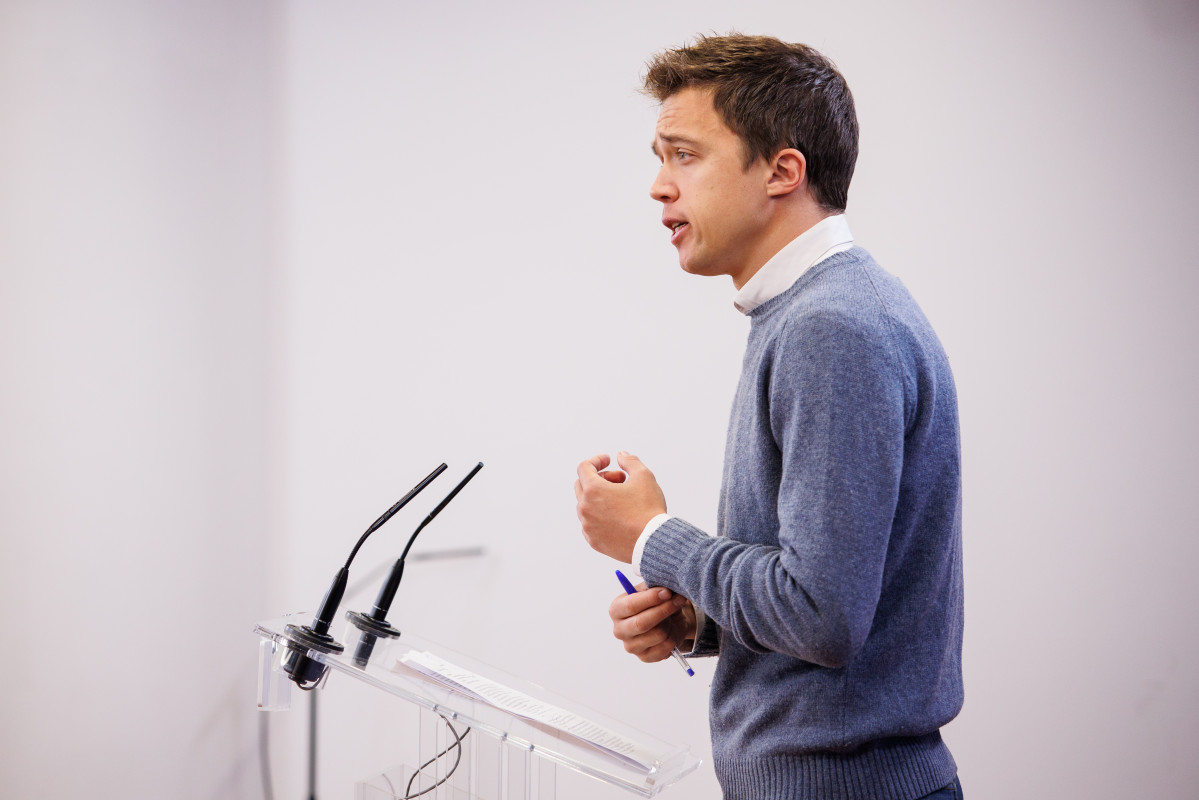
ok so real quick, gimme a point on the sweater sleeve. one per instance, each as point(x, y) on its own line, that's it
point(808, 588)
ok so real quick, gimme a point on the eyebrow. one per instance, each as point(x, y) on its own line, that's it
point(669, 139)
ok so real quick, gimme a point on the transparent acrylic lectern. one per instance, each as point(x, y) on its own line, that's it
point(519, 733)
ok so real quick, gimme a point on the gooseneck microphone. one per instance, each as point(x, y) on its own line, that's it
point(306, 672)
point(375, 625)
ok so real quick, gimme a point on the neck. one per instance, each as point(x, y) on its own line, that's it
point(790, 223)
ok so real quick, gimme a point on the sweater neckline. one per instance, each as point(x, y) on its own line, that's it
point(767, 309)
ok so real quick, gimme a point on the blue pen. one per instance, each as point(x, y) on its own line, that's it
point(630, 589)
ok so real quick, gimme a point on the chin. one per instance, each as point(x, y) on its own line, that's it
point(694, 268)
point(690, 265)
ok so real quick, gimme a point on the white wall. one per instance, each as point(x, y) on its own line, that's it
point(133, 330)
point(469, 268)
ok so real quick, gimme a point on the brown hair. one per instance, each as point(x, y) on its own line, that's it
point(773, 95)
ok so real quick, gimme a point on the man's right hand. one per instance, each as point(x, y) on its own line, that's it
point(652, 622)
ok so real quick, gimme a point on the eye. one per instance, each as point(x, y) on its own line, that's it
point(682, 155)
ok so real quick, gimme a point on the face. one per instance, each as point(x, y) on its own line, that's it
point(716, 209)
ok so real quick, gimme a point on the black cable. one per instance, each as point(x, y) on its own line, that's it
point(457, 744)
point(264, 757)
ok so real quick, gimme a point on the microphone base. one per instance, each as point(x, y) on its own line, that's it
point(371, 631)
point(368, 624)
point(305, 671)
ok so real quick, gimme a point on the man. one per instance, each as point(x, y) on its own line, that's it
point(833, 591)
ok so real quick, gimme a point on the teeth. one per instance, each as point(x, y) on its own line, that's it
point(677, 225)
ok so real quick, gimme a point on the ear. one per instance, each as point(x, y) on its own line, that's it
point(789, 170)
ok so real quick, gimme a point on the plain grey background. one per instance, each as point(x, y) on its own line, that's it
point(264, 265)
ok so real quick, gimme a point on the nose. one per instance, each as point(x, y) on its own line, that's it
point(663, 189)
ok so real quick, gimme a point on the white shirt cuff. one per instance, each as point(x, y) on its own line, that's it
point(701, 619)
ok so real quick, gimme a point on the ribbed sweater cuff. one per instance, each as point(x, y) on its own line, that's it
point(665, 551)
point(894, 769)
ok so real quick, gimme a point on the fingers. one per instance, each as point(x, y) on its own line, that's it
point(638, 622)
point(591, 467)
point(588, 468)
point(653, 645)
point(629, 462)
point(658, 652)
point(614, 507)
point(597, 466)
point(630, 605)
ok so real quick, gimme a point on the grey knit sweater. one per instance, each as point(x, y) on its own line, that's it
point(834, 590)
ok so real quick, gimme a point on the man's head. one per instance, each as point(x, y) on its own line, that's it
point(774, 96)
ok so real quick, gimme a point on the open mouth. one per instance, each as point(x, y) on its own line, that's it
point(677, 229)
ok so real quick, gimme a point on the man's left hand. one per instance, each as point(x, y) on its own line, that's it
point(614, 506)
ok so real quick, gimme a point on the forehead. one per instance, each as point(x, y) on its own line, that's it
point(690, 114)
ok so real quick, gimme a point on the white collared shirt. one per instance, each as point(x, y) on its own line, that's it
point(826, 238)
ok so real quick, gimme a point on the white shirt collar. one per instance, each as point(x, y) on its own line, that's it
point(829, 236)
